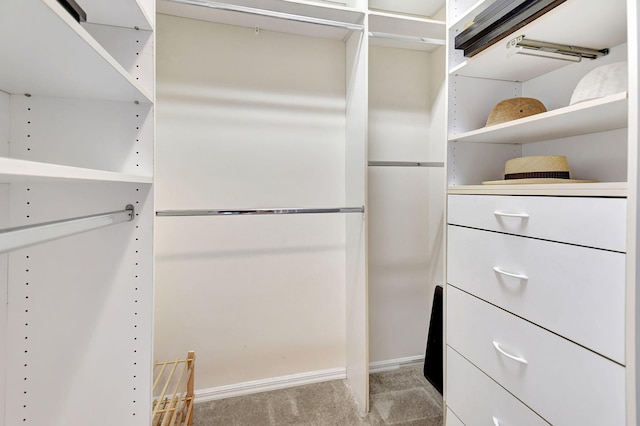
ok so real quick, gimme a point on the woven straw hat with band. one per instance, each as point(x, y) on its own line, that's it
point(536, 169)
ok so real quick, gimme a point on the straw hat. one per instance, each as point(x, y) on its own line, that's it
point(601, 81)
point(514, 108)
point(536, 169)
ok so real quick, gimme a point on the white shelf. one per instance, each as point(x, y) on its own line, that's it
point(597, 115)
point(421, 8)
point(33, 64)
point(412, 33)
point(302, 9)
point(13, 171)
point(600, 189)
point(493, 63)
point(119, 13)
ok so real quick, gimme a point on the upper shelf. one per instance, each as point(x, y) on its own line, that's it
point(119, 13)
point(274, 15)
point(593, 24)
point(387, 29)
point(32, 65)
point(597, 115)
point(422, 8)
point(13, 170)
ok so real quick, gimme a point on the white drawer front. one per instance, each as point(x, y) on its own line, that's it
point(477, 400)
point(574, 291)
point(452, 420)
point(591, 222)
point(564, 383)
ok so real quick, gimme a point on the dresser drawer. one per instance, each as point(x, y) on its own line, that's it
point(574, 291)
point(592, 222)
point(561, 381)
point(477, 400)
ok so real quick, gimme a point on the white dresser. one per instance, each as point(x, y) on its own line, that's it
point(535, 304)
point(541, 304)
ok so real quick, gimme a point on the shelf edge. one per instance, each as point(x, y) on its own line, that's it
point(14, 170)
point(601, 189)
point(594, 103)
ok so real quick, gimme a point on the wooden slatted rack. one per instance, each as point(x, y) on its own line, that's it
point(173, 392)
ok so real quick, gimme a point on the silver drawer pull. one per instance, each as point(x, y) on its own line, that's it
point(510, 274)
point(520, 215)
point(496, 422)
point(508, 355)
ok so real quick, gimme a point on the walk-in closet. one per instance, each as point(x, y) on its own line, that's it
point(260, 195)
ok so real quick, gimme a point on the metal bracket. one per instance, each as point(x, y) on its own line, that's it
point(522, 46)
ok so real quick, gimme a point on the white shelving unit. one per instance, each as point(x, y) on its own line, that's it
point(494, 62)
point(76, 136)
point(599, 139)
point(269, 79)
point(597, 115)
point(405, 30)
point(573, 128)
point(405, 176)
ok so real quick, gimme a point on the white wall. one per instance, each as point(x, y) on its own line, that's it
point(399, 104)
point(249, 121)
point(555, 89)
point(4, 220)
point(588, 157)
point(5, 123)
point(403, 259)
point(406, 123)
point(437, 104)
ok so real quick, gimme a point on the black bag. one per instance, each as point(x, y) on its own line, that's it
point(433, 363)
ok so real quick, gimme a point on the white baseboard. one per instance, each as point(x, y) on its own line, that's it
point(273, 383)
point(394, 364)
point(283, 382)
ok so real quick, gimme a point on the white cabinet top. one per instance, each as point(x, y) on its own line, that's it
point(598, 189)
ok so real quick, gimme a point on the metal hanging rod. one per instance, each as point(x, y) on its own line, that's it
point(271, 14)
point(411, 39)
point(246, 212)
point(29, 235)
point(522, 46)
point(407, 163)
